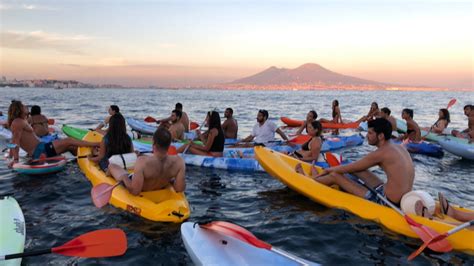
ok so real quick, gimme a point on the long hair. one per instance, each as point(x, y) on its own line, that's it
point(317, 126)
point(446, 115)
point(15, 110)
point(336, 104)
point(118, 140)
point(214, 120)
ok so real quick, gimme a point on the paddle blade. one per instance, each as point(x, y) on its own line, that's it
point(332, 159)
point(172, 150)
point(95, 244)
point(426, 234)
point(451, 103)
point(193, 125)
point(238, 232)
point(150, 119)
point(446, 248)
point(101, 194)
point(300, 139)
point(51, 121)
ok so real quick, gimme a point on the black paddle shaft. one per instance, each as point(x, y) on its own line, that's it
point(28, 254)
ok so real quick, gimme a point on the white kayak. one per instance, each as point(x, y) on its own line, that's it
point(12, 230)
point(207, 247)
point(465, 150)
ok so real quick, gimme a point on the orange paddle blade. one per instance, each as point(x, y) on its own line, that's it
point(51, 121)
point(150, 119)
point(238, 232)
point(300, 139)
point(417, 252)
point(172, 150)
point(451, 103)
point(193, 125)
point(95, 244)
point(426, 234)
point(332, 159)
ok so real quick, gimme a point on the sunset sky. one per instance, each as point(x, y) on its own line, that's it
point(188, 43)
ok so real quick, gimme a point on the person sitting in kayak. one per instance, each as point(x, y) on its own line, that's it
point(310, 150)
point(442, 122)
point(469, 112)
point(310, 117)
point(444, 209)
point(413, 130)
point(115, 141)
point(214, 144)
point(38, 122)
point(374, 112)
point(263, 132)
point(113, 109)
point(230, 126)
point(184, 117)
point(176, 128)
point(24, 137)
point(385, 113)
point(393, 159)
point(154, 172)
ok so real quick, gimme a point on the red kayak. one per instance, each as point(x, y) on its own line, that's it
point(297, 123)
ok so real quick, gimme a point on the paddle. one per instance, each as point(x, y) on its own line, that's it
point(51, 121)
point(439, 238)
point(102, 192)
point(244, 235)
point(451, 103)
point(96, 244)
point(424, 232)
point(150, 119)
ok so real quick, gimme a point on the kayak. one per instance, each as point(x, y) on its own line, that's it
point(164, 205)
point(423, 147)
point(297, 123)
point(74, 132)
point(208, 247)
point(402, 127)
point(465, 150)
point(282, 167)
point(12, 229)
point(144, 128)
point(41, 166)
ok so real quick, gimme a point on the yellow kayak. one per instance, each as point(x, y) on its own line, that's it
point(282, 167)
point(163, 205)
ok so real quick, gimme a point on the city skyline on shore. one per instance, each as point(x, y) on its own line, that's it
point(198, 43)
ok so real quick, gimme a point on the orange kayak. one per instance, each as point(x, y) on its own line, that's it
point(297, 123)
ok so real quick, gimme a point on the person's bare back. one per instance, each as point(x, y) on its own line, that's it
point(230, 128)
point(185, 121)
point(158, 173)
point(24, 135)
point(39, 123)
point(177, 131)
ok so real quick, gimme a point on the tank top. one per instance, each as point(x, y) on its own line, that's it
point(218, 143)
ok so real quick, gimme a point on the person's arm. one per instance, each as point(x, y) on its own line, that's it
point(282, 134)
point(163, 120)
point(315, 150)
point(17, 130)
point(339, 115)
point(247, 139)
point(300, 130)
point(179, 184)
point(372, 159)
point(210, 140)
point(96, 159)
point(135, 185)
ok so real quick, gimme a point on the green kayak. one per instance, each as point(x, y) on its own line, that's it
point(402, 127)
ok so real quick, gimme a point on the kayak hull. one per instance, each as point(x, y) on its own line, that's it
point(282, 167)
point(12, 230)
point(466, 151)
point(206, 247)
point(164, 205)
point(48, 166)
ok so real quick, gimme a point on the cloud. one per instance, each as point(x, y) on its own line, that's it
point(30, 7)
point(40, 40)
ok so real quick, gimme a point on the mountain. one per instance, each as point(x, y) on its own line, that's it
point(305, 74)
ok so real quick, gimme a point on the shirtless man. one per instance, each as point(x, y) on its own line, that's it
point(25, 138)
point(176, 128)
point(413, 130)
point(38, 122)
point(230, 126)
point(394, 160)
point(156, 171)
point(385, 113)
point(184, 117)
point(469, 112)
point(113, 109)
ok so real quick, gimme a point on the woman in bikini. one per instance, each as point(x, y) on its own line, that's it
point(214, 144)
point(115, 141)
point(38, 122)
point(442, 123)
point(310, 117)
point(336, 114)
point(310, 150)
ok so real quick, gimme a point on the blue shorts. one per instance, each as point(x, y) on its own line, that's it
point(44, 148)
point(373, 197)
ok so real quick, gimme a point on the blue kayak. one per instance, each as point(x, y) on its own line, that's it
point(425, 148)
point(147, 129)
